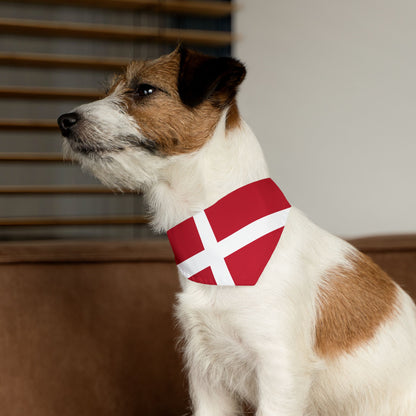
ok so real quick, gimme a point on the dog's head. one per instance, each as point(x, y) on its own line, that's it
point(154, 110)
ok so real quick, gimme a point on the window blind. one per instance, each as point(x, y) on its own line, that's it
point(55, 55)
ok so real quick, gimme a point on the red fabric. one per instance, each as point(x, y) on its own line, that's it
point(204, 276)
point(245, 205)
point(247, 264)
point(227, 216)
point(185, 235)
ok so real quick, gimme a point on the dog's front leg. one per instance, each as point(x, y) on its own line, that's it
point(209, 399)
point(283, 384)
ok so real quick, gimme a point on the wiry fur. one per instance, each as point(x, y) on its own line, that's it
point(258, 344)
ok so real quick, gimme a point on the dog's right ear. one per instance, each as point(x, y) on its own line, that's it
point(203, 77)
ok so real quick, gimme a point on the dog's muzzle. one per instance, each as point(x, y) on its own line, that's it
point(67, 122)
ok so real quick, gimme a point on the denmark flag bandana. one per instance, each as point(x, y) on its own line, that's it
point(231, 242)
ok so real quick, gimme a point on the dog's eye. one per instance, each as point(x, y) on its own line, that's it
point(144, 90)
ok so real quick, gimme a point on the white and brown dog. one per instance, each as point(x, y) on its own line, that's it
point(323, 331)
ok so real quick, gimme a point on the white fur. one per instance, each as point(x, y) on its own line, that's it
point(257, 343)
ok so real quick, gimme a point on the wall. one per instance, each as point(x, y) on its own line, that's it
point(331, 95)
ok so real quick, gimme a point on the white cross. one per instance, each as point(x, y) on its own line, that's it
point(215, 252)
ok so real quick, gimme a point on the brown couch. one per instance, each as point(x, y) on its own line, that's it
point(86, 328)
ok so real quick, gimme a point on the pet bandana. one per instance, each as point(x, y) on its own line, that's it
point(231, 242)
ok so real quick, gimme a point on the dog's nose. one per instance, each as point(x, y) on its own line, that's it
point(66, 122)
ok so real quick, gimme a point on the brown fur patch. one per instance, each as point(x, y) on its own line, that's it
point(354, 301)
point(162, 118)
point(233, 116)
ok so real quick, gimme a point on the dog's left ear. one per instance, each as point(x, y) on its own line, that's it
point(204, 77)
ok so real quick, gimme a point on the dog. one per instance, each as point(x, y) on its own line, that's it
point(323, 330)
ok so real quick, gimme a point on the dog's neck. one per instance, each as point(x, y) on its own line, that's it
point(190, 183)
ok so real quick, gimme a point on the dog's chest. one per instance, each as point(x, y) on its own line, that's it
point(216, 343)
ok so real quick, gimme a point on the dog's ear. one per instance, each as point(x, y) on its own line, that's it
point(202, 77)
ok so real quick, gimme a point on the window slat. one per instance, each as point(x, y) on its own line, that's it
point(32, 157)
point(49, 93)
point(29, 125)
point(193, 7)
point(61, 61)
point(71, 221)
point(60, 190)
point(94, 31)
